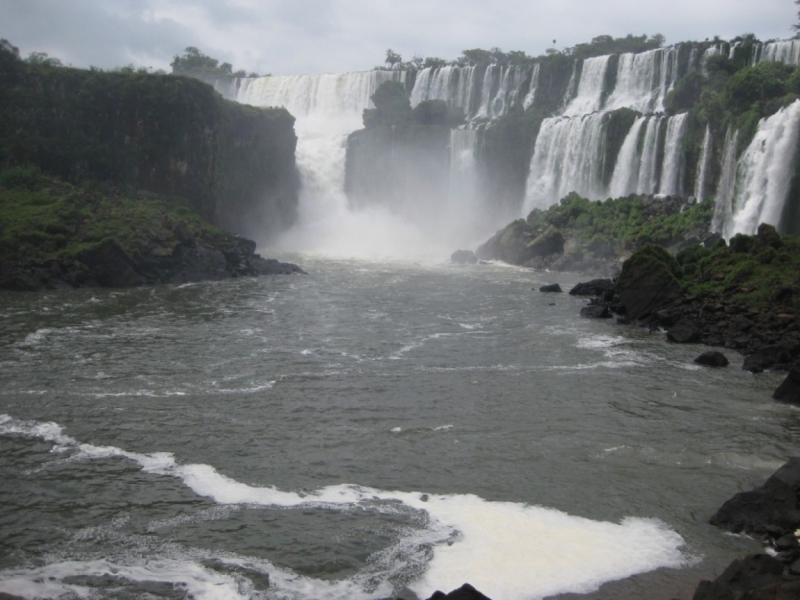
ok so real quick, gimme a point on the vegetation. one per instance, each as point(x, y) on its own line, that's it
point(194, 63)
point(622, 223)
point(392, 108)
point(46, 218)
point(173, 136)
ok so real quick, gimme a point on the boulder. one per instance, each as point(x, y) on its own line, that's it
point(508, 245)
point(789, 390)
point(773, 504)
point(712, 358)
point(198, 262)
point(758, 576)
point(648, 282)
point(551, 287)
point(464, 257)
point(595, 287)
point(685, 331)
point(465, 592)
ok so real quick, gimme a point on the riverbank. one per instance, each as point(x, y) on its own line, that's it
point(56, 235)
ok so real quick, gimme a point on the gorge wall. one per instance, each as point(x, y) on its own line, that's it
point(234, 165)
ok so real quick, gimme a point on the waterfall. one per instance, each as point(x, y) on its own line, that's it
point(567, 157)
point(463, 201)
point(785, 51)
point(590, 88)
point(764, 173)
point(643, 80)
point(626, 171)
point(328, 107)
point(648, 169)
point(486, 91)
point(723, 205)
point(705, 156)
point(671, 171)
point(454, 85)
point(530, 97)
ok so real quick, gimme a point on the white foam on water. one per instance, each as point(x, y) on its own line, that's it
point(600, 342)
point(508, 550)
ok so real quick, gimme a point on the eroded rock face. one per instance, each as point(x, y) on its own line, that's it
point(595, 287)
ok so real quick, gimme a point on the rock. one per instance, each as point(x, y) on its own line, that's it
point(595, 287)
point(110, 266)
point(786, 542)
point(648, 282)
point(712, 358)
point(464, 257)
point(551, 241)
point(768, 357)
point(465, 592)
point(508, 245)
point(789, 390)
point(198, 262)
point(596, 311)
point(270, 266)
point(774, 503)
point(551, 287)
point(757, 573)
point(684, 332)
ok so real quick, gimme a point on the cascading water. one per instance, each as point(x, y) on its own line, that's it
point(626, 172)
point(705, 156)
point(567, 157)
point(671, 173)
point(328, 108)
point(530, 97)
point(463, 201)
point(723, 205)
point(590, 89)
point(764, 174)
point(648, 169)
point(643, 80)
point(454, 85)
point(785, 51)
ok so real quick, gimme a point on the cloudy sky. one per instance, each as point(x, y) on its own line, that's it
point(286, 37)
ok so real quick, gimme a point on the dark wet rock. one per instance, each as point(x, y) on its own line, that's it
point(769, 357)
point(648, 282)
point(196, 262)
point(712, 358)
point(596, 311)
point(4, 596)
point(465, 592)
point(110, 266)
point(684, 331)
point(551, 287)
point(549, 242)
point(595, 287)
point(464, 257)
point(789, 390)
point(758, 576)
point(773, 504)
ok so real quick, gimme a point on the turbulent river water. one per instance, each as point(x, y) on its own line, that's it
point(372, 429)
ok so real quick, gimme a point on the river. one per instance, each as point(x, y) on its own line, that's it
point(370, 430)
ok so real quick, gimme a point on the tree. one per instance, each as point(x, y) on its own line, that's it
point(796, 26)
point(6, 46)
point(393, 58)
point(434, 63)
point(43, 59)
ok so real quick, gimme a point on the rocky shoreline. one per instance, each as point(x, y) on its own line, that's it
point(109, 265)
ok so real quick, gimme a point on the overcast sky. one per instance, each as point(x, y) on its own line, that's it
point(285, 37)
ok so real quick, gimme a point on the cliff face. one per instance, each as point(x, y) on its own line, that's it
point(389, 165)
point(167, 135)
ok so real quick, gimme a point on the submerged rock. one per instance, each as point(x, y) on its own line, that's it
point(551, 287)
point(464, 257)
point(465, 592)
point(684, 331)
point(595, 287)
point(712, 358)
point(596, 311)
